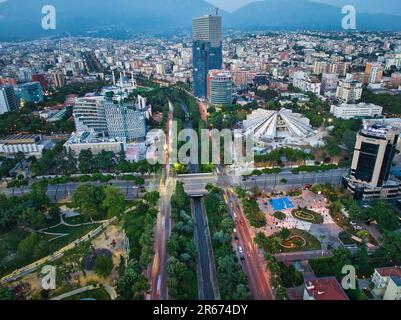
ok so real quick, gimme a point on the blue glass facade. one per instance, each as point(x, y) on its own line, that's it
point(205, 58)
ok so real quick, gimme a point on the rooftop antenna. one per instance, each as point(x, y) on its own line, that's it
point(216, 10)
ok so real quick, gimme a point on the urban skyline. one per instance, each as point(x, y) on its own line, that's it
point(218, 165)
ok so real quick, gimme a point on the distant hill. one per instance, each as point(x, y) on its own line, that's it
point(392, 7)
point(21, 19)
point(305, 14)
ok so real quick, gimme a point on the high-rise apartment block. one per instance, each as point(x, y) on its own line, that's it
point(374, 152)
point(89, 114)
point(8, 100)
point(349, 91)
point(124, 121)
point(220, 87)
point(58, 79)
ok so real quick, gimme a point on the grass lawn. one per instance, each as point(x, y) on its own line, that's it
point(308, 215)
point(10, 260)
point(311, 242)
point(77, 219)
point(73, 234)
point(97, 294)
point(279, 215)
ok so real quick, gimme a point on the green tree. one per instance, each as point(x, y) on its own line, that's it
point(362, 260)
point(6, 293)
point(242, 292)
point(33, 246)
point(342, 256)
point(385, 216)
point(32, 218)
point(348, 139)
point(284, 233)
point(104, 161)
point(391, 243)
point(179, 195)
point(176, 271)
point(103, 266)
point(85, 161)
point(281, 293)
point(152, 197)
point(114, 201)
point(88, 199)
point(132, 285)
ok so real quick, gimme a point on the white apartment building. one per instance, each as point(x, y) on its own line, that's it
point(349, 91)
point(304, 82)
point(387, 283)
point(349, 111)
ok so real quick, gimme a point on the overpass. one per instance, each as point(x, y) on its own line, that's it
point(195, 184)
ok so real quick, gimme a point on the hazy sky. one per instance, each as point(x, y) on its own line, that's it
point(372, 6)
point(230, 5)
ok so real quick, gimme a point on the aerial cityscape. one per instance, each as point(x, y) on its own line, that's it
point(216, 157)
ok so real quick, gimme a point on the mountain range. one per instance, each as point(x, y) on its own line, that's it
point(21, 19)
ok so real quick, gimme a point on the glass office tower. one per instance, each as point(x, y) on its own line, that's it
point(207, 51)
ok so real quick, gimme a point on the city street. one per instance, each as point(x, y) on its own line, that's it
point(271, 182)
point(158, 272)
point(254, 264)
point(64, 191)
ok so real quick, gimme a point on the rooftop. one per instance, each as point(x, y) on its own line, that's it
point(89, 137)
point(325, 289)
point(389, 271)
point(268, 124)
point(21, 139)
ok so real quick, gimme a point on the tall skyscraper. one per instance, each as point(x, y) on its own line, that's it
point(374, 153)
point(207, 51)
point(8, 100)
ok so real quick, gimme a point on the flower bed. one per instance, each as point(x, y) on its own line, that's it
point(308, 216)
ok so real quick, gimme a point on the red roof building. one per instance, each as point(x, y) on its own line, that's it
point(324, 289)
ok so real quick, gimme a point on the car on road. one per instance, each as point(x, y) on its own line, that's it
point(241, 253)
point(355, 225)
